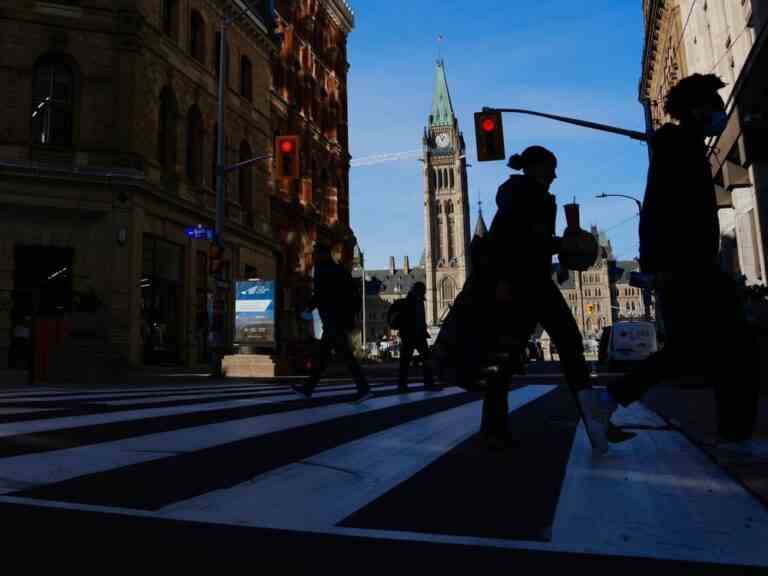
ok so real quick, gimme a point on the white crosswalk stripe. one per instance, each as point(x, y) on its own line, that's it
point(656, 496)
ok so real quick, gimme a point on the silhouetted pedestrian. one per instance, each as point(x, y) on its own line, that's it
point(522, 294)
point(706, 328)
point(413, 336)
point(336, 299)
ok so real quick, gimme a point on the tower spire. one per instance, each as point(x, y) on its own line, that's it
point(442, 109)
point(480, 228)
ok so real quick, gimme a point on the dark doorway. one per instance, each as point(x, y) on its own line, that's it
point(162, 295)
point(42, 287)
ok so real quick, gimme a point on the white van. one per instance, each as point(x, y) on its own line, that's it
point(628, 341)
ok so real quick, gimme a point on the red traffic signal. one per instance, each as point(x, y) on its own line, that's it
point(488, 124)
point(489, 136)
point(287, 156)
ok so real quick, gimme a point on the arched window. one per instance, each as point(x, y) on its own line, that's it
point(438, 233)
point(166, 128)
point(589, 324)
point(439, 178)
point(246, 78)
point(194, 156)
point(445, 177)
point(245, 178)
point(170, 17)
point(600, 323)
point(452, 178)
point(451, 234)
point(53, 102)
point(447, 291)
point(432, 179)
point(197, 36)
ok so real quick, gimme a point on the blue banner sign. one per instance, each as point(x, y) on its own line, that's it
point(199, 232)
point(255, 312)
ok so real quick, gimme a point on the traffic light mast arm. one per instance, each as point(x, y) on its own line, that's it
point(635, 135)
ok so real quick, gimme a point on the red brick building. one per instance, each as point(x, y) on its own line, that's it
point(309, 98)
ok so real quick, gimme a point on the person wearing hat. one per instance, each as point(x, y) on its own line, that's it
point(519, 286)
point(336, 300)
point(413, 336)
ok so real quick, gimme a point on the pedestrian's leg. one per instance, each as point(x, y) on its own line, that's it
point(406, 354)
point(556, 318)
point(735, 353)
point(341, 343)
point(669, 362)
point(319, 361)
point(425, 354)
point(493, 425)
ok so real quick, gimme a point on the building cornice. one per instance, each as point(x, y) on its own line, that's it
point(654, 12)
point(341, 13)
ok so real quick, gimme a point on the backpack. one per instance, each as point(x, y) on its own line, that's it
point(396, 314)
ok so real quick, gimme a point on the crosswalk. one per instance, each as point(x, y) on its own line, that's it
point(406, 467)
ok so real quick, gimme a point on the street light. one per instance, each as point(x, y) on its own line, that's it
point(635, 200)
point(646, 291)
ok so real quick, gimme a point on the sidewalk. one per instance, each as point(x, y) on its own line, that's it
point(693, 411)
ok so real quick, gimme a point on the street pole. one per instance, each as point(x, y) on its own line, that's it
point(217, 321)
point(646, 291)
point(362, 266)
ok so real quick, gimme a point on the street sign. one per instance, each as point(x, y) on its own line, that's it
point(199, 232)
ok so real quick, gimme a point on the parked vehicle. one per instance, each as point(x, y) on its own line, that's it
point(627, 342)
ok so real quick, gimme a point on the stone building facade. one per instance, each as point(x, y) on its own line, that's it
point(107, 154)
point(725, 37)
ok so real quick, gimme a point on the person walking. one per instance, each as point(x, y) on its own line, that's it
point(706, 330)
point(337, 302)
point(412, 324)
point(517, 279)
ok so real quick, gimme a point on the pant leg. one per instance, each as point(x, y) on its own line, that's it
point(406, 354)
point(426, 364)
point(736, 360)
point(556, 318)
point(320, 356)
point(496, 407)
point(344, 350)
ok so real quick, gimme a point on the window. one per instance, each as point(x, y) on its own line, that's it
point(197, 37)
point(194, 155)
point(448, 291)
point(170, 18)
point(246, 78)
point(53, 94)
point(245, 180)
point(452, 178)
point(438, 240)
point(451, 233)
point(166, 129)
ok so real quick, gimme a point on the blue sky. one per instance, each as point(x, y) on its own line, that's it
point(578, 59)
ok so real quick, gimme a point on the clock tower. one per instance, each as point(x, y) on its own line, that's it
point(446, 204)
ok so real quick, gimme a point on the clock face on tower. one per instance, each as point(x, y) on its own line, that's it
point(442, 140)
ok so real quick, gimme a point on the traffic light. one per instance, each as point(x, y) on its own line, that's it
point(489, 136)
point(287, 156)
point(216, 260)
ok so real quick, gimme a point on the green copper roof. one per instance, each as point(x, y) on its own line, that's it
point(442, 110)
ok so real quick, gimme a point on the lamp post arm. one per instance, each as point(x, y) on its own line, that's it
point(634, 134)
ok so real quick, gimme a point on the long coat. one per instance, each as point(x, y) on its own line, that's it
point(678, 224)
